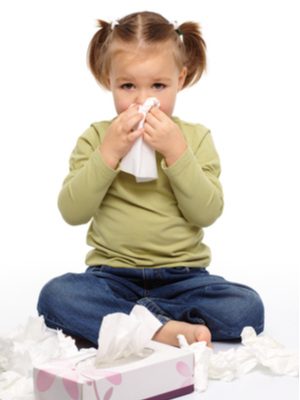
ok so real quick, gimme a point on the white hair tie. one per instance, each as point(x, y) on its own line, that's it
point(176, 28)
point(113, 24)
point(175, 24)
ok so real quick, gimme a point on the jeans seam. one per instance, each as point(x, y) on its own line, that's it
point(157, 308)
point(161, 313)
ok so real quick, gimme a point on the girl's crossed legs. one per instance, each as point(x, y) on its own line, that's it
point(186, 300)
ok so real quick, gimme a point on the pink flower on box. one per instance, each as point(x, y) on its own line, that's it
point(185, 371)
point(70, 377)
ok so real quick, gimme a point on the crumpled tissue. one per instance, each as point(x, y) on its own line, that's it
point(25, 347)
point(257, 351)
point(140, 161)
point(122, 335)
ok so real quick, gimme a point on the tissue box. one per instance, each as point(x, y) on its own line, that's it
point(159, 372)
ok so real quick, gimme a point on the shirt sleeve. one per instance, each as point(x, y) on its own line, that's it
point(195, 183)
point(88, 181)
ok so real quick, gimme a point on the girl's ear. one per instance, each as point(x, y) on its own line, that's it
point(181, 78)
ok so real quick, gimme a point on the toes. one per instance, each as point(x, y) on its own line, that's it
point(203, 334)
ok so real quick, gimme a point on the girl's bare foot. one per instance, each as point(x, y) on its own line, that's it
point(193, 333)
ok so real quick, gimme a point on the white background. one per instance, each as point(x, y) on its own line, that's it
point(249, 98)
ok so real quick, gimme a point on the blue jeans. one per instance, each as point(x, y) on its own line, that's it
point(77, 303)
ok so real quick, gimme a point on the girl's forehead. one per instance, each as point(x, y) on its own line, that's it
point(141, 51)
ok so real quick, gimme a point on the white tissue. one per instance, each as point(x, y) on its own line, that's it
point(257, 351)
point(202, 356)
point(25, 347)
point(140, 160)
point(267, 351)
point(122, 335)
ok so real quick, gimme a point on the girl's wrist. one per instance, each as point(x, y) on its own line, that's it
point(171, 158)
point(109, 159)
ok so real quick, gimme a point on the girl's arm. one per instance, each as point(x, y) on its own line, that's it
point(193, 170)
point(88, 181)
point(194, 180)
point(94, 165)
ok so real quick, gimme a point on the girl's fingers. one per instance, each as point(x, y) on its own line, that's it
point(151, 120)
point(129, 118)
point(149, 129)
point(132, 122)
point(155, 119)
point(130, 112)
point(157, 113)
point(132, 136)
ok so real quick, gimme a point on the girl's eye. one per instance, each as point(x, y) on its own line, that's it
point(158, 86)
point(128, 86)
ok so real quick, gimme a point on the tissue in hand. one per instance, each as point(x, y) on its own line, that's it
point(122, 335)
point(140, 160)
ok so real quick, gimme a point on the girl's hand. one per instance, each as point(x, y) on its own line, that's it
point(119, 137)
point(164, 136)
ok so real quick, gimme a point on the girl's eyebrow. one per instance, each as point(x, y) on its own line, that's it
point(162, 79)
point(124, 79)
point(131, 78)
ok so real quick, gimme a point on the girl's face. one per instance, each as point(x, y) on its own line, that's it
point(137, 74)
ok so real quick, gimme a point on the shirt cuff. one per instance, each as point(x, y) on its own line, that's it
point(180, 164)
point(103, 167)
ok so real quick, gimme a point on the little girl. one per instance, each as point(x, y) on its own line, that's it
point(147, 236)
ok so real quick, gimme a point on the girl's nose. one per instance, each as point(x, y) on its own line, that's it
point(141, 98)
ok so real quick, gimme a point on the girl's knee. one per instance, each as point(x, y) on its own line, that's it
point(250, 311)
point(52, 293)
point(243, 308)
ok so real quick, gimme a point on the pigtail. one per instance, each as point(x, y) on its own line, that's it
point(96, 50)
point(195, 52)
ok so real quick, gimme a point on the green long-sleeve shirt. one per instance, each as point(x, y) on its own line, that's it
point(150, 224)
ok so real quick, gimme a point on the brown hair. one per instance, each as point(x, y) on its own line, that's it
point(148, 28)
